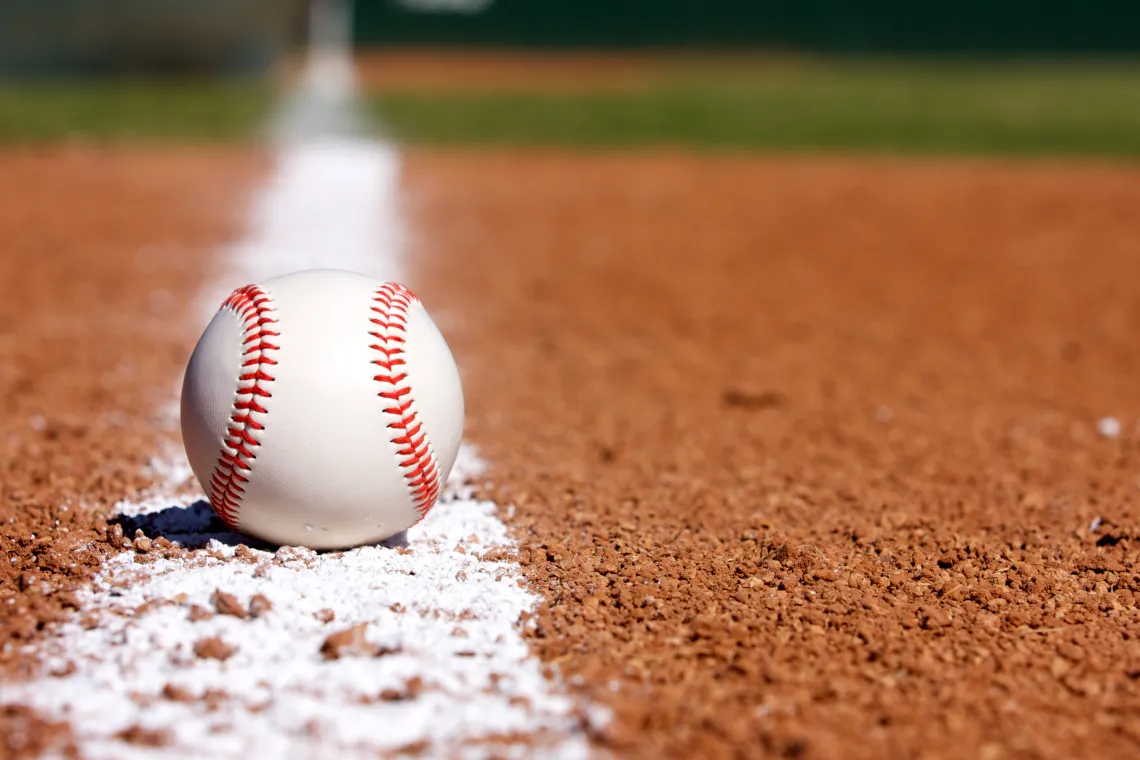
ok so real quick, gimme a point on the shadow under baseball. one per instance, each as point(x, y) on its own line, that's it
point(195, 525)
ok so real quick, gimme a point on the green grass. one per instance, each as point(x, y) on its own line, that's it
point(1015, 109)
point(931, 108)
point(133, 111)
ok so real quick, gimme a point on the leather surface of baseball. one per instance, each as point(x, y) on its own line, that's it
point(323, 409)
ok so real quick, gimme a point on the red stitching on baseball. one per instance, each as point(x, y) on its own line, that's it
point(253, 306)
point(421, 471)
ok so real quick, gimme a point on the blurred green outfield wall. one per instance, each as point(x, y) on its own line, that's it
point(839, 26)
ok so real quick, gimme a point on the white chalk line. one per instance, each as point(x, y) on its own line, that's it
point(449, 618)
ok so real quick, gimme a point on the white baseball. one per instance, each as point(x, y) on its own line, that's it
point(322, 409)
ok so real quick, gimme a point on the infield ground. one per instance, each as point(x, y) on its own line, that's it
point(805, 453)
point(808, 457)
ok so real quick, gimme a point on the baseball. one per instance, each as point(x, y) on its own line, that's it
point(323, 409)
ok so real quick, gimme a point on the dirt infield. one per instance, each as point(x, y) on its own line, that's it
point(816, 458)
point(808, 458)
point(420, 70)
point(102, 252)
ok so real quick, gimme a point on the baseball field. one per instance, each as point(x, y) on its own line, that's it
point(801, 411)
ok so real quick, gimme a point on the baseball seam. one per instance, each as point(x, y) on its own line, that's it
point(239, 446)
point(418, 463)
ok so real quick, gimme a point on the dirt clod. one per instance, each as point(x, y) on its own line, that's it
point(227, 604)
point(349, 642)
point(145, 737)
point(177, 693)
point(198, 613)
point(214, 648)
point(411, 689)
point(259, 605)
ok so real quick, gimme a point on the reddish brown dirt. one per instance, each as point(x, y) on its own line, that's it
point(25, 735)
point(102, 253)
point(420, 70)
point(803, 452)
point(478, 70)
